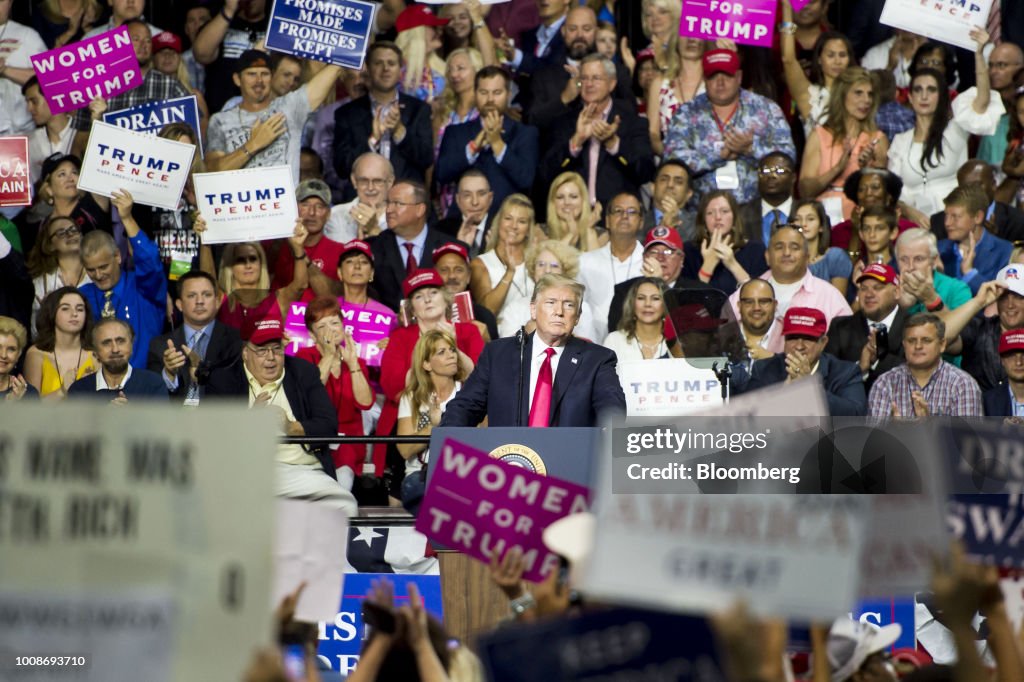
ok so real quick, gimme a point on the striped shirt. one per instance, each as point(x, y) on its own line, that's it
point(950, 392)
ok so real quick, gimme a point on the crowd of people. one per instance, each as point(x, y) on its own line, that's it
point(534, 194)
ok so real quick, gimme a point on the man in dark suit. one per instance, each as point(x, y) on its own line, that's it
point(1002, 220)
point(600, 138)
point(1007, 399)
point(199, 344)
point(541, 45)
point(873, 336)
point(407, 245)
point(469, 219)
point(504, 149)
point(804, 331)
point(668, 202)
point(385, 121)
point(117, 381)
point(776, 178)
point(290, 391)
point(555, 87)
point(548, 378)
point(971, 254)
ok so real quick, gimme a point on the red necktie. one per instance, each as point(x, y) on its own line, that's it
point(540, 412)
point(410, 260)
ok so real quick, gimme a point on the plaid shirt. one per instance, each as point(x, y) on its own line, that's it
point(155, 87)
point(950, 392)
point(894, 118)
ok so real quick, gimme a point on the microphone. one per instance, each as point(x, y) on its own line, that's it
point(521, 340)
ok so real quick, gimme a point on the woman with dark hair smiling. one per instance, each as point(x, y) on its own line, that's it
point(56, 259)
point(929, 156)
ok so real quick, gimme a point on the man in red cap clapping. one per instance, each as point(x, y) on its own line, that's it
point(804, 330)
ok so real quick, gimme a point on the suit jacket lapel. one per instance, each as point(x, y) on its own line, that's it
point(567, 366)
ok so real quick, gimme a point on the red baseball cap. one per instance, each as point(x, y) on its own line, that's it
point(804, 322)
point(663, 235)
point(417, 15)
point(356, 245)
point(451, 247)
point(720, 61)
point(166, 40)
point(1011, 341)
point(267, 330)
point(694, 317)
point(881, 272)
point(420, 279)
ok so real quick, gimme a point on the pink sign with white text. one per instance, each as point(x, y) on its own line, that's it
point(74, 75)
point(750, 22)
point(369, 325)
point(482, 506)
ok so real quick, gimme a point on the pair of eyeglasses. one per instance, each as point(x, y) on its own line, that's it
point(392, 202)
point(65, 233)
point(629, 212)
point(245, 260)
point(777, 171)
point(266, 351)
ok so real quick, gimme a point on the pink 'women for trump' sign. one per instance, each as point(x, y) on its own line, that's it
point(368, 325)
point(482, 506)
point(74, 75)
point(751, 22)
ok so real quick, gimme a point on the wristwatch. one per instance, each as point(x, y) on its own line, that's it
point(521, 605)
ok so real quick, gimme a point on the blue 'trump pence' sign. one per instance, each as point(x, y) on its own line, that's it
point(333, 31)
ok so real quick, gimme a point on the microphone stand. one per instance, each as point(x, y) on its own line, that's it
point(723, 375)
point(521, 337)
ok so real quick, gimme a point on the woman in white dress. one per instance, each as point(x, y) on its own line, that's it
point(928, 156)
point(552, 256)
point(641, 332)
point(499, 280)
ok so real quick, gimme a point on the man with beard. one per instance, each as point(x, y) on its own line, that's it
point(555, 87)
point(757, 316)
point(155, 87)
point(117, 381)
point(502, 148)
point(264, 130)
point(600, 138)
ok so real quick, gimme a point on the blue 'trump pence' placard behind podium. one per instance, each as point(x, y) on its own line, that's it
point(333, 31)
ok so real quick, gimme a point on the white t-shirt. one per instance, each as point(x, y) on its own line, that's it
point(18, 42)
point(405, 410)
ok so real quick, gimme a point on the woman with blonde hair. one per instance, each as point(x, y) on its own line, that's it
point(551, 256)
point(683, 81)
point(498, 277)
point(846, 142)
point(419, 39)
point(660, 22)
point(571, 218)
point(721, 255)
point(457, 104)
point(62, 22)
point(434, 378)
point(244, 281)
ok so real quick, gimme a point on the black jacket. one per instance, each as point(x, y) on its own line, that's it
point(848, 335)
point(389, 263)
point(996, 401)
point(843, 385)
point(1007, 223)
point(307, 398)
point(223, 349)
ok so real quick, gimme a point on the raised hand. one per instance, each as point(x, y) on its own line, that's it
point(97, 108)
point(18, 387)
point(122, 200)
point(967, 254)
point(174, 359)
point(505, 45)
point(628, 59)
point(980, 37)
point(298, 238)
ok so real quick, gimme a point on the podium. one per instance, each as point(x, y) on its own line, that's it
point(472, 602)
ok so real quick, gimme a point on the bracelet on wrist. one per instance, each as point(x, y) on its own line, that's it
point(787, 28)
point(704, 273)
point(937, 304)
point(247, 152)
point(225, 15)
